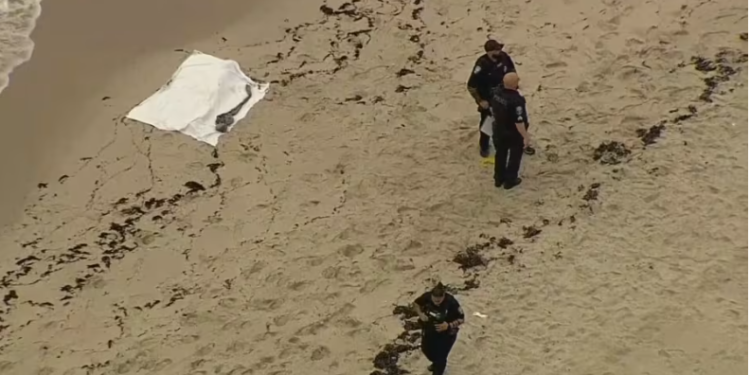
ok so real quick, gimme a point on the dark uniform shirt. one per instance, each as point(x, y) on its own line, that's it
point(448, 311)
point(508, 108)
point(488, 74)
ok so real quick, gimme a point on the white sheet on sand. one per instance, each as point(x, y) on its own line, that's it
point(201, 89)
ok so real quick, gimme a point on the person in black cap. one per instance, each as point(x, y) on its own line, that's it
point(509, 132)
point(487, 74)
point(441, 316)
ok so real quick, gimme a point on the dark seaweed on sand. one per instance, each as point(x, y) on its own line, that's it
point(650, 135)
point(611, 153)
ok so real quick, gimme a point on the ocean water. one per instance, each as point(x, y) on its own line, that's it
point(17, 20)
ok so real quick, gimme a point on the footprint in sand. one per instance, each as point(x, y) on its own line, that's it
point(239, 347)
point(351, 251)
point(556, 64)
point(298, 286)
point(320, 353)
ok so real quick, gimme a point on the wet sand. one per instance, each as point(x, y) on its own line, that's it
point(357, 184)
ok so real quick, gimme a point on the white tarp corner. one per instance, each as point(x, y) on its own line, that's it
point(487, 125)
point(205, 98)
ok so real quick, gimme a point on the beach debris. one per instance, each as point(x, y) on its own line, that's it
point(480, 315)
point(10, 296)
point(386, 360)
point(592, 193)
point(104, 98)
point(469, 284)
point(721, 70)
point(41, 185)
point(114, 243)
point(357, 39)
point(404, 72)
point(404, 312)
point(416, 14)
point(194, 187)
point(492, 241)
point(692, 111)
point(402, 88)
point(650, 135)
point(531, 231)
point(703, 64)
point(355, 98)
point(743, 36)
point(469, 258)
point(62, 178)
point(417, 57)
point(611, 153)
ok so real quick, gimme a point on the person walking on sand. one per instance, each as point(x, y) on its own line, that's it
point(487, 74)
point(509, 132)
point(441, 316)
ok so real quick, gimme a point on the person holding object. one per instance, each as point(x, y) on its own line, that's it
point(510, 131)
point(487, 74)
point(441, 316)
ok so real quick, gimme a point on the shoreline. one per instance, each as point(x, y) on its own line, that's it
point(64, 79)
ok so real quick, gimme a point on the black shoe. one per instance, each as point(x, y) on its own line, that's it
point(430, 367)
point(512, 184)
point(484, 152)
point(529, 150)
point(499, 183)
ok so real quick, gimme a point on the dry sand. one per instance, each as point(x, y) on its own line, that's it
point(342, 196)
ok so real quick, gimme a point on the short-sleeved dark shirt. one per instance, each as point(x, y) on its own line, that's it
point(508, 108)
point(488, 74)
point(448, 311)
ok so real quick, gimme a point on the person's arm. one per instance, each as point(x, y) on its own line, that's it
point(521, 121)
point(417, 305)
point(511, 65)
point(474, 80)
point(457, 313)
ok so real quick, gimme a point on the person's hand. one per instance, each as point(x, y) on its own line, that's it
point(484, 104)
point(440, 327)
point(527, 140)
point(423, 317)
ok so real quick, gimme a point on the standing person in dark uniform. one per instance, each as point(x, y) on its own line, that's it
point(487, 74)
point(509, 132)
point(441, 316)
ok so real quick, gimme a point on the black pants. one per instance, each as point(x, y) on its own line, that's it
point(436, 348)
point(484, 139)
point(508, 154)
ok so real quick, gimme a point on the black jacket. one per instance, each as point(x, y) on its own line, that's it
point(448, 311)
point(487, 75)
point(508, 109)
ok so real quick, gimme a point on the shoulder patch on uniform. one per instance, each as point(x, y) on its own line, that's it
point(519, 110)
point(460, 310)
point(477, 69)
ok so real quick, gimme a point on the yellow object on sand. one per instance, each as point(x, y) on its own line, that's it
point(490, 160)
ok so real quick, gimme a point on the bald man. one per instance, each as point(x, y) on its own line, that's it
point(510, 134)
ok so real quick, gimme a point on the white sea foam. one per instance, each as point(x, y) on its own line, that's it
point(17, 20)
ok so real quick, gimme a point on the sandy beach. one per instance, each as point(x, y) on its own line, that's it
point(357, 184)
